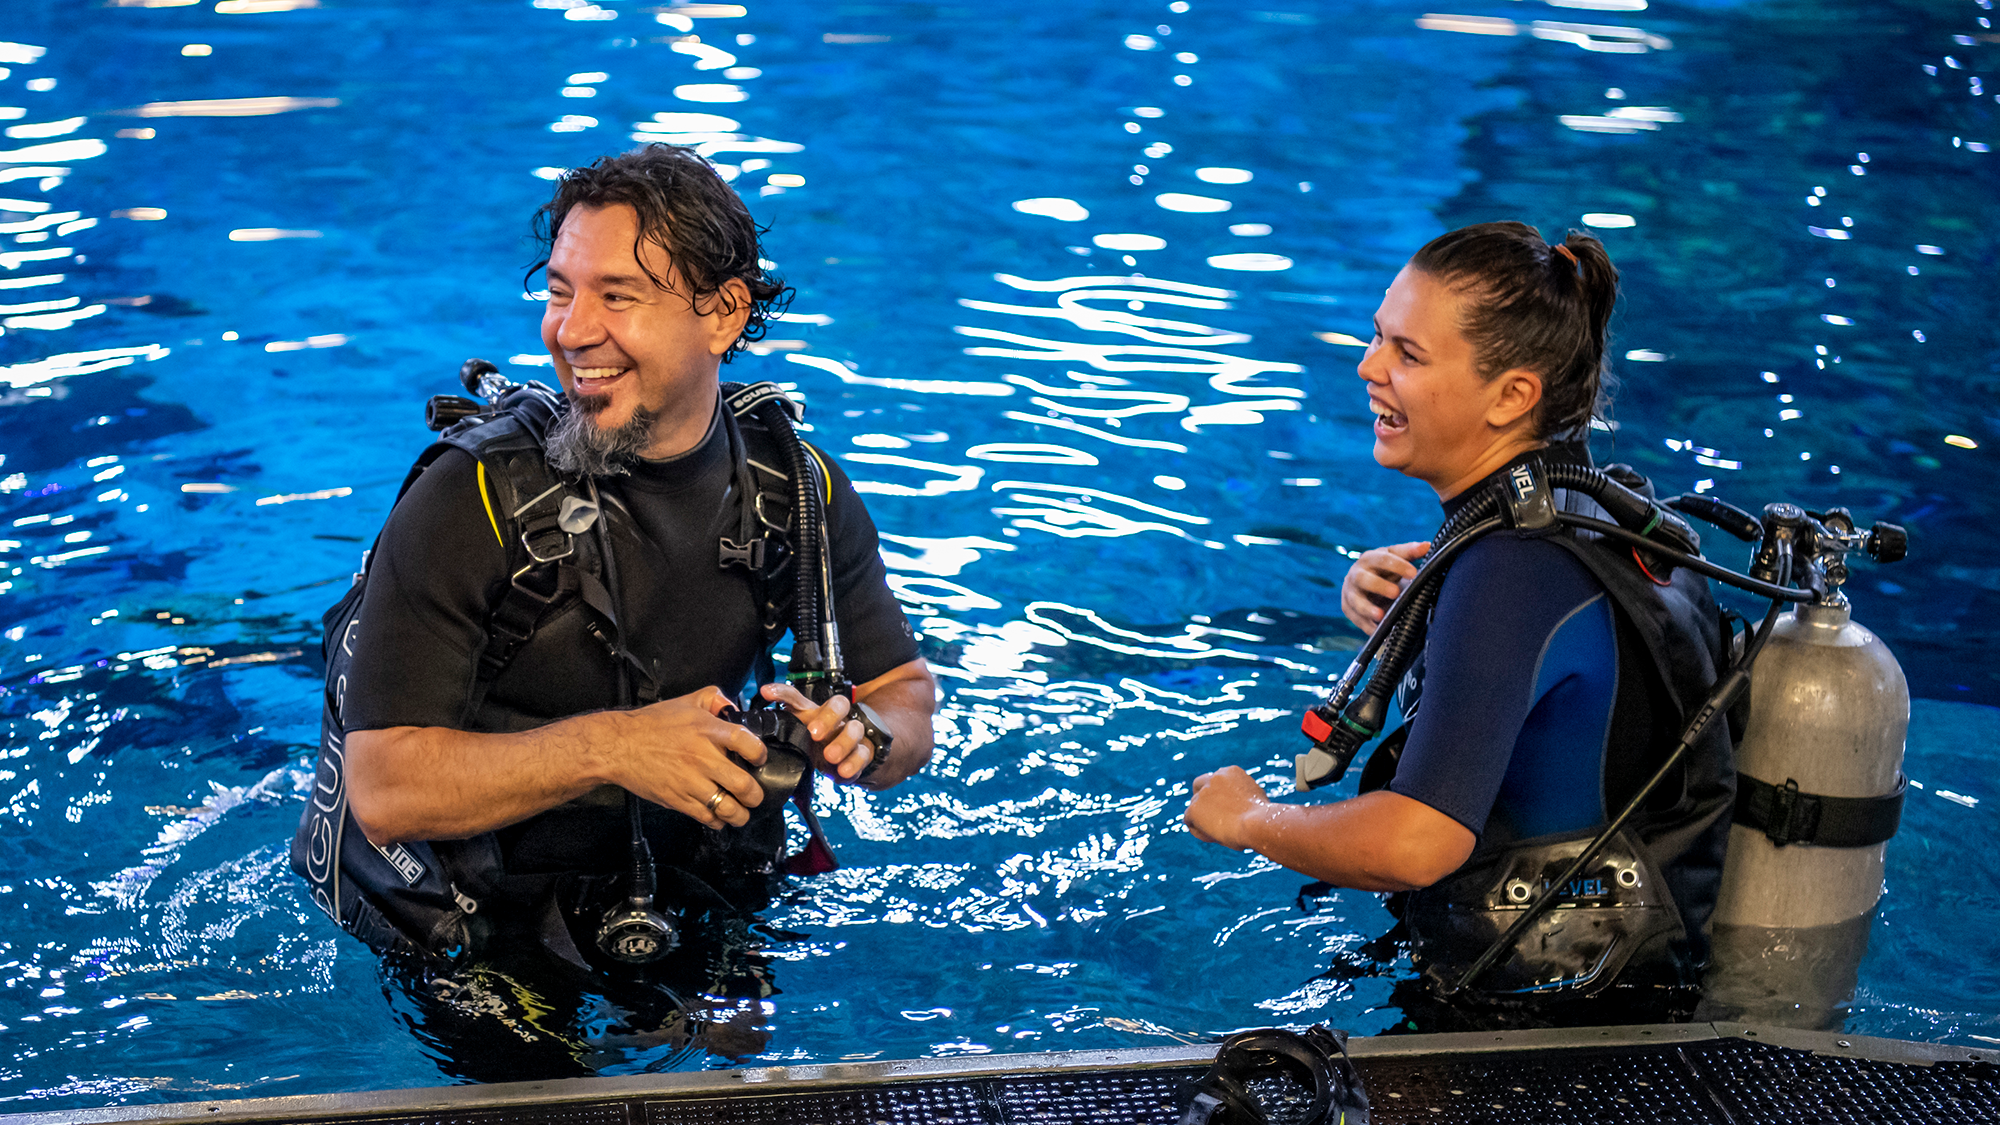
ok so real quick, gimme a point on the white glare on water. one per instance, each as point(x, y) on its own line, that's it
point(1066, 210)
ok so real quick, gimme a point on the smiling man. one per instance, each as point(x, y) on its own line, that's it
point(500, 764)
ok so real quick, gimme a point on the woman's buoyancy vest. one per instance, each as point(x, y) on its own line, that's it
point(434, 898)
point(1638, 914)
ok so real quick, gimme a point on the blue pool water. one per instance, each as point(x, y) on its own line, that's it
point(1121, 526)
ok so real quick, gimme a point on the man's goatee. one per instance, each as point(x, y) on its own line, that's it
point(578, 446)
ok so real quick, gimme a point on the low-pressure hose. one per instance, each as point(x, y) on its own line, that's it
point(633, 931)
point(1692, 562)
point(807, 657)
point(1346, 719)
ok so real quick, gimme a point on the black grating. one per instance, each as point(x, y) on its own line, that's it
point(1728, 1081)
point(587, 1113)
point(1764, 1084)
point(916, 1103)
point(1133, 1097)
point(1639, 1085)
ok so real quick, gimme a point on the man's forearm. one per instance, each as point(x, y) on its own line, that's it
point(905, 699)
point(435, 783)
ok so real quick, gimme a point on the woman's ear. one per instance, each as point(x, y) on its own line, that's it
point(1515, 394)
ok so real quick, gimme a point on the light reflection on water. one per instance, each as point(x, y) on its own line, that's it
point(1118, 460)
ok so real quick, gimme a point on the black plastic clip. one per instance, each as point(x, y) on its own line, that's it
point(749, 556)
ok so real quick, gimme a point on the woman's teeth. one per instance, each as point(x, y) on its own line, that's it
point(1389, 418)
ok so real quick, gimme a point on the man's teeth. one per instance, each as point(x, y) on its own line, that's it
point(595, 373)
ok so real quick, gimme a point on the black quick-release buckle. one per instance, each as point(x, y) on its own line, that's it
point(749, 556)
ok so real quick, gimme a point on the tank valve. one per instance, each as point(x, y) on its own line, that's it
point(480, 377)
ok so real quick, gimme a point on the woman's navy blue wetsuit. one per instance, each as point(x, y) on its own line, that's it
point(1521, 663)
point(1553, 680)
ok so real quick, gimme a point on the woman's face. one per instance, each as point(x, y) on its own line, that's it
point(1435, 418)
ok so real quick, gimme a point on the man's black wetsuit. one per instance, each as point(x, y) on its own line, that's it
point(439, 569)
point(1535, 713)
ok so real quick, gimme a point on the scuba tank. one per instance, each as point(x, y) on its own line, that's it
point(1854, 699)
point(1819, 793)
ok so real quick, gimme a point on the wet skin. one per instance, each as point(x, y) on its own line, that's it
point(1439, 421)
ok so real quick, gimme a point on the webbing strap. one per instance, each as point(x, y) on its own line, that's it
point(1789, 816)
point(521, 608)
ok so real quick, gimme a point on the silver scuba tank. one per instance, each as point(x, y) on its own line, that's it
point(1820, 787)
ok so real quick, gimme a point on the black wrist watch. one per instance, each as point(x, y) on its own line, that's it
point(877, 735)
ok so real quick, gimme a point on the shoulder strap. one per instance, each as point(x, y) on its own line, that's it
point(765, 521)
point(536, 513)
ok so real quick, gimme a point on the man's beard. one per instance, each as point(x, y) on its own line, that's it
point(580, 447)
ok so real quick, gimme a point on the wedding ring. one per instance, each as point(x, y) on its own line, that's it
point(715, 802)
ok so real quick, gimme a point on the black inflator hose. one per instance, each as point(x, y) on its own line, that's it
point(806, 540)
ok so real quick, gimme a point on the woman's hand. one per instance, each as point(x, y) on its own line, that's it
point(1221, 804)
point(1375, 579)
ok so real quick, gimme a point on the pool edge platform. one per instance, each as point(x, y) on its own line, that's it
point(1859, 1072)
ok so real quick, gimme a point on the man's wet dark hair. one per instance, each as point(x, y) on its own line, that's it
point(685, 209)
point(1532, 305)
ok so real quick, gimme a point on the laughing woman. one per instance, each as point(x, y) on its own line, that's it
point(1553, 678)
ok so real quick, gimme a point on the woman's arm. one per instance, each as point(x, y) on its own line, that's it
point(1379, 841)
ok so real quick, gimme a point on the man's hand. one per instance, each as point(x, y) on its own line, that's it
point(673, 753)
point(850, 752)
point(1222, 801)
point(437, 783)
point(1375, 579)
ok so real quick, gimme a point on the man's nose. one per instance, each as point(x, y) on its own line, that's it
point(581, 325)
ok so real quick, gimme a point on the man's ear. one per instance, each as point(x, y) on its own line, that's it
point(1515, 394)
point(728, 311)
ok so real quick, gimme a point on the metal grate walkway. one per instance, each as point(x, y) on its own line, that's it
point(1702, 1074)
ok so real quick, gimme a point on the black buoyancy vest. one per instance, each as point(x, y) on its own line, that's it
point(426, 898)
point(1639, 912)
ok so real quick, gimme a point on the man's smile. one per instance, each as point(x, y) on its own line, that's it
point(596, 380)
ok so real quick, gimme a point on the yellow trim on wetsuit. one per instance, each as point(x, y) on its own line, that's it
point(488, 501)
